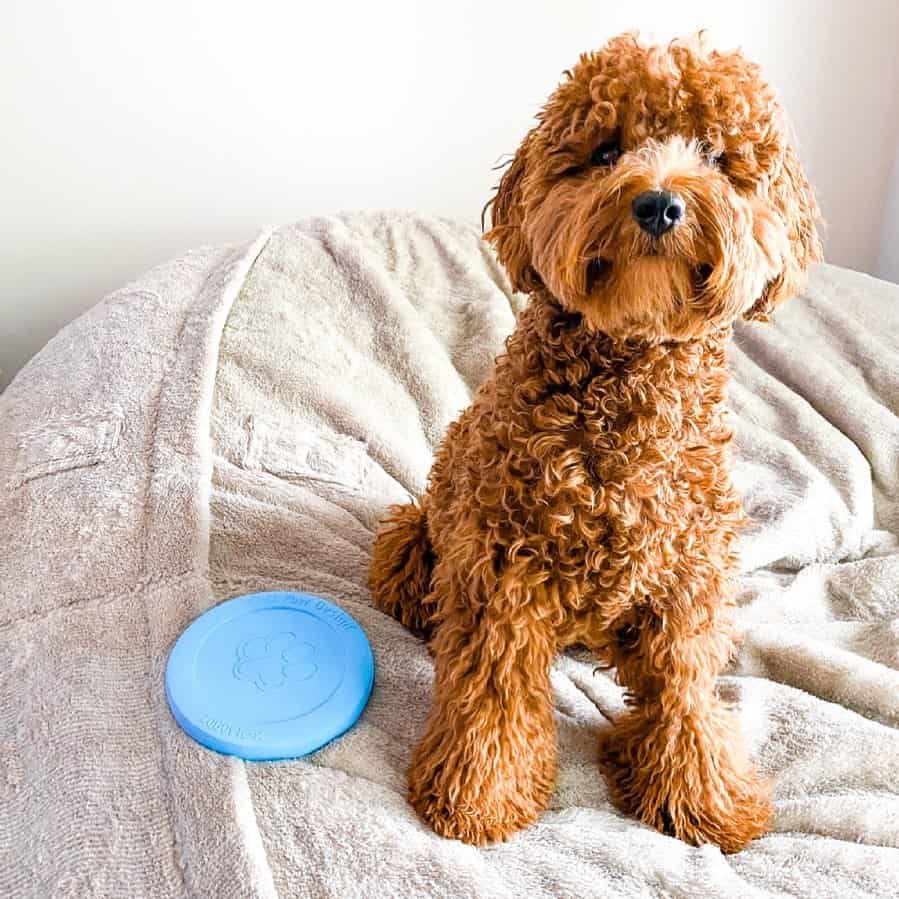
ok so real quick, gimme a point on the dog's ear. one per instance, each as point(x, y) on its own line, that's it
point(794, 199)
point(506, 232)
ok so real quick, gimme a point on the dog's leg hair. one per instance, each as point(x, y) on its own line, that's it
point(486, 764)
point(676, 759)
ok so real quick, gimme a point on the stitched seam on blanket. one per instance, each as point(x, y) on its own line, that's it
point(86, 440)
point(285, 451)
point(201, 560)
point(174, 817)
point(175, 353)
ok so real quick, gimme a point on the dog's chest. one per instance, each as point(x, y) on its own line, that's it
point(617, 463)
point(583, 462)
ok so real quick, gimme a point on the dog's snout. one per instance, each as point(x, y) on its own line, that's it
point(658, 211)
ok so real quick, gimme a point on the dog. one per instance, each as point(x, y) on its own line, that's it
point(584, 497)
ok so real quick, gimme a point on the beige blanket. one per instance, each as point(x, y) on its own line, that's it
point(237, 420)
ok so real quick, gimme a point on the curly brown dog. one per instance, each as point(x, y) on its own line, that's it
point(584, 497)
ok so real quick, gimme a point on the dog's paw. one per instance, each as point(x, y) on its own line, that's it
point(482, 801)
point(477, 824)
point(696, 797)
point(731, 820)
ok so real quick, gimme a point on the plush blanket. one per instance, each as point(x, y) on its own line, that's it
point(238, 420)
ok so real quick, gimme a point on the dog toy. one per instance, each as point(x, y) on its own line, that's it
point(269, 675)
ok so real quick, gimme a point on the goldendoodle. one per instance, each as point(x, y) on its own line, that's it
point(585, 497)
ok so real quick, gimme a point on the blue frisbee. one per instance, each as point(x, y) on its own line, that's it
point(269, 675)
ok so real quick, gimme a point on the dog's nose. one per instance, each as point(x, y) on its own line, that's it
point(658, 211)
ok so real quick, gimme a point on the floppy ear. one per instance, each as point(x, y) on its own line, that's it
point(794, 198)
point(506, 232)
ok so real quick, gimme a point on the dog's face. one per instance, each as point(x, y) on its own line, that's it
point(658, 194)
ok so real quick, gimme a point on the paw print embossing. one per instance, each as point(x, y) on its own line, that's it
point(271, 662)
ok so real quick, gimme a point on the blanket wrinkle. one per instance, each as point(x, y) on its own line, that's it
point(275, 398)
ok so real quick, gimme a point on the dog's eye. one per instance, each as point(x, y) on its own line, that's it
point(606, 154)
point(713, 155)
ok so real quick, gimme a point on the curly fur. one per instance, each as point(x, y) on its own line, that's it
point(584, 497)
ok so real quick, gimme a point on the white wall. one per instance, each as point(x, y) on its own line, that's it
point(888, 262)
point(134, 130)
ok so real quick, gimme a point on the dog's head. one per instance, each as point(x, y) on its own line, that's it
point(658, 194)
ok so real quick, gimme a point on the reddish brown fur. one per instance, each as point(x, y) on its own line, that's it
point(584, 497)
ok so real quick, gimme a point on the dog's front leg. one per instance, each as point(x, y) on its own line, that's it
point(487, 762)
point(676, 759)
